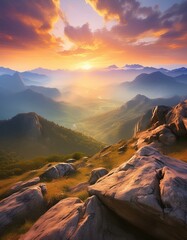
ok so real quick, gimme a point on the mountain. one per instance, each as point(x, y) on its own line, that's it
point(15, 83)
point(46, 91)
point(6, 71)
point(31, 78)
point(30, 135)
point(178, 71)
point(28, 100)
point(12, 83)
point(112, 126)
point(181, 78)
point(155, 84)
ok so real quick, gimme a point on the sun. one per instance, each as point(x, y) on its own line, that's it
point(86, 66)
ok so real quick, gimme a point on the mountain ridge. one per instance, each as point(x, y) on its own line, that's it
point(30, 135)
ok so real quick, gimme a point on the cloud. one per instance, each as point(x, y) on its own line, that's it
point(136, 21)
point(28, 23)
point(138, 31)
point(79, 35)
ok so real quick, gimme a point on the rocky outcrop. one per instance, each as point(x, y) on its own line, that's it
point(21, 205)
point(159, 114)
point(58, 171)
point(74, 220)
point(23, 184)
point(158, 137)
point(167, 125)
point(149, 191)
point(177, 119)
point(96, 174)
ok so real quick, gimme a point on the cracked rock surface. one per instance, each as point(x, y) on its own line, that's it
point(150, 192)
point(73, 219)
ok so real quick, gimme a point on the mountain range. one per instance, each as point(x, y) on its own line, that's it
point(114, 125)
point(156, 84)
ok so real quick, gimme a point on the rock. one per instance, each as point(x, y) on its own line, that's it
point(85, 159)
point(65, 169)
point(150, 192)
point(176, 119)
point(159, 114)
point(50, 173)
point(167, 138)
point(96, 174)
point(23, 184)
point(74, 220)
point(71, 160)
point(105, 148)
point(160, 136)
point(57, 171)
point(89, 165)
point(143, 123)
point(43, 188)
point(80, 187)
point(122, 148)
point(21, 205)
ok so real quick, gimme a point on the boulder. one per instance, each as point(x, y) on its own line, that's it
point(159, 115)
point(23, 184)
point(50, 173)
point(75, 220)
point(21, 205)
point(96, 174)
point(150, 192)
point(176, 119)
point(57, 171)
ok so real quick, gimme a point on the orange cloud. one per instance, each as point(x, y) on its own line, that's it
point(27, 24)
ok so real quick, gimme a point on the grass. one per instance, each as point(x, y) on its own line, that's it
point(113, 159)
point(61, 188)
point(179, 150)
point(16, 231)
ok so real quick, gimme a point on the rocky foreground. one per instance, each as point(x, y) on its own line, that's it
point(149, 192)
point(144, 198)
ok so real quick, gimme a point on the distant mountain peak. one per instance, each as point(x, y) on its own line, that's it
point(157, 75)
point(28, 124)
point(12, 82)
point(112, 67)
point(17, 76)
point(133, 66)
point(140, 97)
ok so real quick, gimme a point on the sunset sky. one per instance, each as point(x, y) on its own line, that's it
point(71, 34)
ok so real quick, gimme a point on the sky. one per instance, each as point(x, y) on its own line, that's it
point(86, 34)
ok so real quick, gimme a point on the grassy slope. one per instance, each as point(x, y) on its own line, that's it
point(61, 188)
point(179, 150)
point(54, 139)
